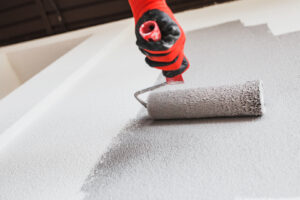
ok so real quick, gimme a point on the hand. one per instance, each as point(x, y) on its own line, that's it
point(167, 53)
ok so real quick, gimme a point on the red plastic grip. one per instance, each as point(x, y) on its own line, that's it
point(175, 79)
point(150, 31)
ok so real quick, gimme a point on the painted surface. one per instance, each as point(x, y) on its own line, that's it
point(72, 110)
point(280, 16)
point(215, 158)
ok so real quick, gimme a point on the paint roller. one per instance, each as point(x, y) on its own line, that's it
point(173, 101)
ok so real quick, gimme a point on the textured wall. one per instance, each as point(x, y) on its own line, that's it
point(227, 158)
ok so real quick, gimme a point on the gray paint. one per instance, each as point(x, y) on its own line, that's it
point(230, 158)
point(178, 102)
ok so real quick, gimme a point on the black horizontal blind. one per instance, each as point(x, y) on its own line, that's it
point(22, 20)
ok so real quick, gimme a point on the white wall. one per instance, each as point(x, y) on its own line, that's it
point(29, 61)
point(24, 61)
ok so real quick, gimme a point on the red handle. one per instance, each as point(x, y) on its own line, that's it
point(175, 79)
point(150, 31)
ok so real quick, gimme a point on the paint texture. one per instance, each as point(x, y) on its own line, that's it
point(229, 158)
point(176, 102)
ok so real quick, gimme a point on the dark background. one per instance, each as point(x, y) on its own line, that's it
point(22, 20)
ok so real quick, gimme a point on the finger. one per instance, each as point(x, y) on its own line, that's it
point(174, 66)
point(174, 31)
point(152, 63)
point(150, 55)
point(170, 56)
point(184, 66)
point(167, 66)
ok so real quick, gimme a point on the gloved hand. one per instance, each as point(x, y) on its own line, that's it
point(167, 53)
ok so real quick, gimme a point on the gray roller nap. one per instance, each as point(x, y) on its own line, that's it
point(224, 101)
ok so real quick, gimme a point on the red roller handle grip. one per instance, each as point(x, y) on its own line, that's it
point(149, 30)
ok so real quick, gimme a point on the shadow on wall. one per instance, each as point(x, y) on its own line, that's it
point(21, 63)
